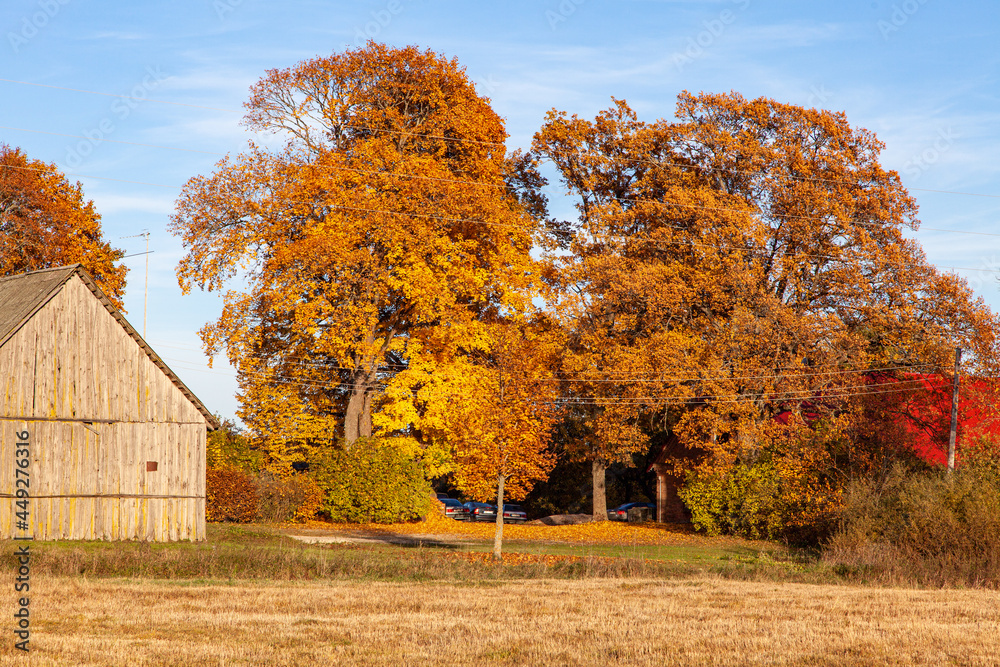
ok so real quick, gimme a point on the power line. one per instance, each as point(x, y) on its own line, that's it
point(610, 377)
point(829, 392)
point(773, 394)
point(729, 378)
point(668, 401)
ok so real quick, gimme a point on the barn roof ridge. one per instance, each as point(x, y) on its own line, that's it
point(63, 267)
point(19, 306)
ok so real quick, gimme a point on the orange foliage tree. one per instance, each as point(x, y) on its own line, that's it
point(45, 222)
point(384, 221)
point(744, 261)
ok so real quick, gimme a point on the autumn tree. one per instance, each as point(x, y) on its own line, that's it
point(494, 406)
point(626, 282)
point(384, 220)
point(743, 261)
point(45, 221)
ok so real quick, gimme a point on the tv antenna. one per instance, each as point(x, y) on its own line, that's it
point(145, 291)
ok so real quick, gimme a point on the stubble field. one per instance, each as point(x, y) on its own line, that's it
point(695, 621)
point(599, 595)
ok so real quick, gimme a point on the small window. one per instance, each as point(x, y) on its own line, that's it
point(150, 466)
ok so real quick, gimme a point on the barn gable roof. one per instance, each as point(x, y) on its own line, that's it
point(23, 295)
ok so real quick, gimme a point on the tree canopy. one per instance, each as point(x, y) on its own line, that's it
point(384, 221)
point(744, 260)
point(45, 221)
point(738, 276)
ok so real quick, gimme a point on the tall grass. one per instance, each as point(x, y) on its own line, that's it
point(249, 553)
point(924, 528)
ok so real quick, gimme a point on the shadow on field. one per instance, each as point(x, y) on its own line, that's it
point(378, 537)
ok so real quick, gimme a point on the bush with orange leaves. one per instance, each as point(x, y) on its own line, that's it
point(230, 495)
point(236, 496)
point(289, 497)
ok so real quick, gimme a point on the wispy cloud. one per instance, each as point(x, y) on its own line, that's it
point(116, 34)
point(111, 203)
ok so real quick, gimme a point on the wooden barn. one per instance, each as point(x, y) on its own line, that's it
point(116, 440)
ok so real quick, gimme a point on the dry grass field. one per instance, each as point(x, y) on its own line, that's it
point(693, 621)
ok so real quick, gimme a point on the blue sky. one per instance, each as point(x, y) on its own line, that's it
point(921, 74)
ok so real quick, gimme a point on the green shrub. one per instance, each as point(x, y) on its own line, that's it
point(762, 500)
point(741, 501)
point(927, 528)
point(230, 447)
point(373, 481)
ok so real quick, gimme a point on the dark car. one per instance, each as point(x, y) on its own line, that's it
point(441, 496)
point(514, 514)
point(454, 509)
point(620, 513)
point(481, 511)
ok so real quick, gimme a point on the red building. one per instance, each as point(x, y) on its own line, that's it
point(915, 409)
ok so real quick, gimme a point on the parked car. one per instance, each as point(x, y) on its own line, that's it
point(481, 511)
point(440, 496)
point(454, 509)
point(514, 513)
point(620, 513)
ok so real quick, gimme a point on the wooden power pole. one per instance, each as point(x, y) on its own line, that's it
point(954, 412)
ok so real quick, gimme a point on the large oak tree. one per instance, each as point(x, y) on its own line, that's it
point(745, 260)
point(383, 221)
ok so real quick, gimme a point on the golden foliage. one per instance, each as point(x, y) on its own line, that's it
point(495, 407)
point(385, 220)
point(45, 222)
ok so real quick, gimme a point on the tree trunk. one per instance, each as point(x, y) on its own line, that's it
point(498, 535)
point(358, 417)
point(600, 503)
point(365, 427)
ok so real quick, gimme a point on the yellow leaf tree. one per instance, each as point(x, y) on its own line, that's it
point(385, 220)
point(494, 406)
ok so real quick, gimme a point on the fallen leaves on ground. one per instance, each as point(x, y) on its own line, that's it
point(598, 532)
point(509, 558)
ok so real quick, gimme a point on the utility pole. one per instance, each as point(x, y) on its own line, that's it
point(954, 412)
point(145, 291)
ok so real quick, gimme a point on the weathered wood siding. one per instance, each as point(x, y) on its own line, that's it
point(98, 409)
